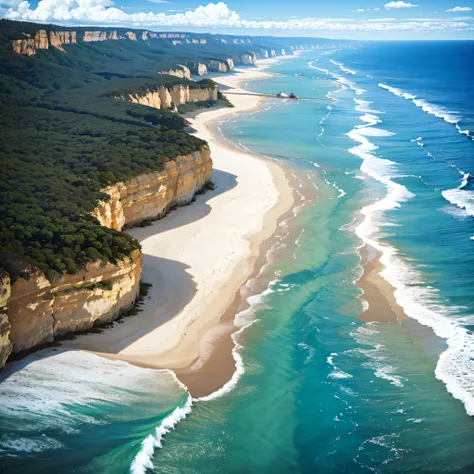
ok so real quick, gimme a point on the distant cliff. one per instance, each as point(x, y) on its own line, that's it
point(178, 94)
point(34, 311)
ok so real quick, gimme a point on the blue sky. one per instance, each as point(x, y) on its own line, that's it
point(353, 19)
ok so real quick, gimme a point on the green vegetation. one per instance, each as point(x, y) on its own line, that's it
point(64, 136)
point(63, 139)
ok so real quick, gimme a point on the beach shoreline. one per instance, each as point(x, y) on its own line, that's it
point(378, 293)
point(195, 294)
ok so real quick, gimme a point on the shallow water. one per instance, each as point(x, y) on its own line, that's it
point(321, 390)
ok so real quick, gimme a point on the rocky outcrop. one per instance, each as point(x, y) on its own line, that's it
point(40, 310)
point(219, 66)
point(5, 344)
point(201, 69)
point(25, 46)
point(199, 95)
point(98, 35)
point(179, 94)
point(248, 58)
point(58, 38)
point(151, 196)
point(131, 35)
point(181, 71)
point(230, 64)
point(29, 46)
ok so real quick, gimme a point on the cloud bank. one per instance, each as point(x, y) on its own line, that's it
point(460, 9)
point(213, 15)
point(390, 5)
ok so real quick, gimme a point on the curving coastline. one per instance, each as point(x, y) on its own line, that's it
point(194, 283)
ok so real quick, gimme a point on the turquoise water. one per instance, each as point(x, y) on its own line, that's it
point(321, 390)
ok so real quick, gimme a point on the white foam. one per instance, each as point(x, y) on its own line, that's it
point(244, 319)
point(418, 301)
point(143, 460)
point(364, 106)
point(342, 67)
point(460, 197)
point(438, 111)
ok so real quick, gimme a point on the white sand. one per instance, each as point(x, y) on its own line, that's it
point(199, 256)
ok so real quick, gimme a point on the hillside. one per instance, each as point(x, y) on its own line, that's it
point(73, 125)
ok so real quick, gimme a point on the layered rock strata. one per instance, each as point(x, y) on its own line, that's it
point(150, 196)
point(33, 311)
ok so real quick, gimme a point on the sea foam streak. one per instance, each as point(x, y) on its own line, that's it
point(243, 320)
point(143, 460)
point(461, 197)
point(342, 67)
point(418, 301)
point(432, 109)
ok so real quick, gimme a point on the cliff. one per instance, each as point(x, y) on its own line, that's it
point(151, 196)
point(164, 97)
point(28, 46)
point(248, 58)
point(34, 310)
point(181, 71)
point(5, 344)
point(39, 310)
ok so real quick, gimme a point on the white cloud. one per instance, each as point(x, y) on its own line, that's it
point(460, 9)
point(399, 4)
point(376, 9)
point(360, 10)
point(213, 15)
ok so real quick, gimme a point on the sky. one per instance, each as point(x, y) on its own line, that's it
point(349, 19)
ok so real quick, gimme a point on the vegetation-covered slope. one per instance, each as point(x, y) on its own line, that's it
point(64, 137)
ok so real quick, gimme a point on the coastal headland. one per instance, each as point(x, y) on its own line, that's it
point(198, 258)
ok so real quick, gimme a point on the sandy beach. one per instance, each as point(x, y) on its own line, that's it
point(199, 256)
point(378, 293)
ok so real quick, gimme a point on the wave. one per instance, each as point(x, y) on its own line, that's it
point(364, 106)
point(342, 67)
point(243, 320)
point(417, 300)
point(143, 460)
point(460, 197)
point(438, 111)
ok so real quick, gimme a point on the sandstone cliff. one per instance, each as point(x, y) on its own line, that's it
point(151, 196)
point(34, 311)
point(5, 344)
point(219, 66)
point(163, 97)
point(181, 71)
point(201, 69)
point(28, 46)
point(39, 310)
point(248, 58)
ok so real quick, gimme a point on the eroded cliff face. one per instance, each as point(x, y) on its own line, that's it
point(33, 311)
point(181, 71)
point(5, 344)
point(249, 58)
point(39, 310)
point(163, 98)
point(219, 66)
point(150, 196)
point(201, 69)
point(28, 46)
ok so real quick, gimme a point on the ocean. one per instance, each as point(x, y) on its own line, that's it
point(381, 149)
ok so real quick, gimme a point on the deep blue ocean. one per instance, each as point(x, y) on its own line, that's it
point(381, 149)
